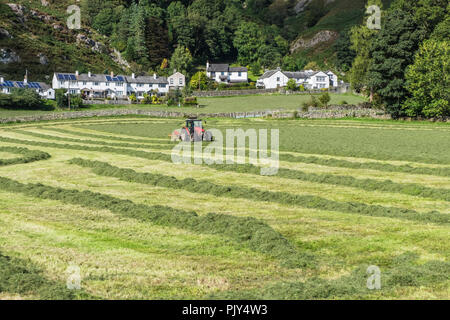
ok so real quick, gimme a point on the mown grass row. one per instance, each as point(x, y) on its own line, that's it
point(94, 142)
point(22, 277)
point(109, 137)
point(366, 184)
point(404, 271)
point(385, 167)
point(232, 191)
point(330, 162)
point(27, 155)
point(254, 233)
point(347, 181)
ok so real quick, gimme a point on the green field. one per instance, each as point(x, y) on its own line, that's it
point(213, 105)
point(103, 194)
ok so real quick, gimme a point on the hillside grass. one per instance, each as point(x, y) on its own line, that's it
point(71, 214)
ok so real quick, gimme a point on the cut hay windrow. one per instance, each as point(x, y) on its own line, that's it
point(27, 155)
point(108, 137)
point(23, 277)
point(254, 233)
point(101, 143)
point(348, 181)
point(233, 191)
point(329, 162)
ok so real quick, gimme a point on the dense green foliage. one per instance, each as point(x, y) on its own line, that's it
point(27, 99)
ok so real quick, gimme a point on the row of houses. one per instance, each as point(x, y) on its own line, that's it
point(91, 85)
point(99, 86)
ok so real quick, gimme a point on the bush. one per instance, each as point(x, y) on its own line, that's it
point(190, 101)
point(27, 99)
point(324, 99)
point(343, 102)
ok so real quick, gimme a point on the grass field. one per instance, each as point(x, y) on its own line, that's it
point(213, 105)
point(104, 195)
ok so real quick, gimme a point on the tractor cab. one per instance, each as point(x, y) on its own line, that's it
point(195, 126)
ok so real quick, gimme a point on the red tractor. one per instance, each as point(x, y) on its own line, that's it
point(192, 132)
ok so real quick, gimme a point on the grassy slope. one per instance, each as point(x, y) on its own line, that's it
point(126, 258)
point(34, 37)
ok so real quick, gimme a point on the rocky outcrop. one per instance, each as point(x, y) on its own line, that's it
point(93, 45)
point(8, 56)
point(19, 10)
point(43, 59)
point(301, 5)
point(117, 57)
point(320, 37)
point(4, 34)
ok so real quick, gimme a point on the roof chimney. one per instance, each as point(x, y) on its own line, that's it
point(133, 75)
point(154, 76)
point(2, 79)
point(112, 74)
point(207, 65)
point(25, 80)
point(77, 73)
point(89, 74)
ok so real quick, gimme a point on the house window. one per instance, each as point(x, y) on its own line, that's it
point(140, 85)
point(120, 93)
point(180, 81)
point(119, 84)
point(96, 84)
point(171, 81)
point(320, 79)
point(278, 79)
point(223, 73)
point(84, 83)
point(140, 93)
point(240, 74)
point(213, 74)
point(162, 85)
point(61, 83)
point(107, 84)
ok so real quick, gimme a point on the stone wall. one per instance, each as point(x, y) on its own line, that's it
point(333, 112)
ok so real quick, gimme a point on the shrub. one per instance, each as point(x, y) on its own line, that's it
point(324, 99)
point(343, 102)
point(27, 99)
point(190, 101)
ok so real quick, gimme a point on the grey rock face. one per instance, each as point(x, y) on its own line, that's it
point(8, 56)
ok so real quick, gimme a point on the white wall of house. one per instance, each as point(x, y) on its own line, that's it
point(333, 79)
point(320, 80)
point(177, 80)
point(277, 80)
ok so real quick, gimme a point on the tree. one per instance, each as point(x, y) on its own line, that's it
point(199, 81)
point(393, 50)
point(61, 98)
point(181, 60)
point(324, 99)
point(312, 66)
point(344, 54)
point(156, 41)
point(103, 22)
point(428, 81)
point(247, 41)
point(291, 85)
point(361, 38)
point(269, 56)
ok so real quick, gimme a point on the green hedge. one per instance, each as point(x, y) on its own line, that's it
point(257, 235)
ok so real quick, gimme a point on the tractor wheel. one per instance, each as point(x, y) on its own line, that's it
point(207, 136)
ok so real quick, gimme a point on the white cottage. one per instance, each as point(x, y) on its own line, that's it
point(273, 79)
point(43, 89)
point(177, 80)
point(223, 73)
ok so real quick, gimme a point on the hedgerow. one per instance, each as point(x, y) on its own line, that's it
point(101, 143)
point(27, 155)
point(256, 234)
point(232, 191)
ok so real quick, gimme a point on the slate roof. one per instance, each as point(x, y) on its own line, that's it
point(103, 78)
point(224, 67)
point(147, 79)
point(22, 85)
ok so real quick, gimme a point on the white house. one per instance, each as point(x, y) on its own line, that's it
point(273, 79)
point(43, 89)
point(111, 86)
point(223, 73)
point(177, 80)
